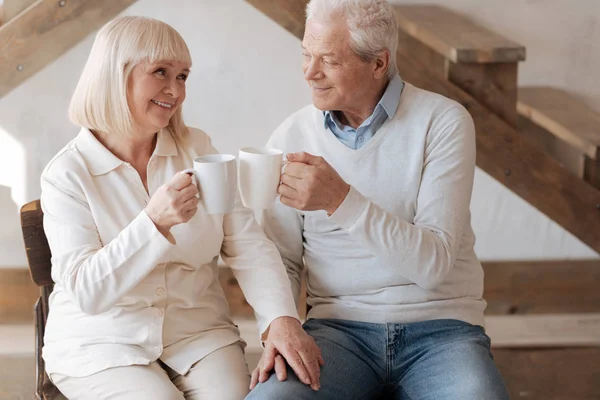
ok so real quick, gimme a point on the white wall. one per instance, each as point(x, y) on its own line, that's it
point(246, 79)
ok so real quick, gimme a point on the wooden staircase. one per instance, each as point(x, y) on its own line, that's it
point(502, 151)
point(35, 33)
point(543, 317)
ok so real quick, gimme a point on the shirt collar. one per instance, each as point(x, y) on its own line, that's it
point(100, 160)
point(389, 101)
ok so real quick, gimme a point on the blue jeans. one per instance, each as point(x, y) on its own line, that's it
point(439, 359)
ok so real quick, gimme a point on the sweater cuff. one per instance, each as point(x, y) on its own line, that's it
point(350, 210)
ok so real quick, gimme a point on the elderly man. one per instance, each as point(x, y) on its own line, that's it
point(375, 205)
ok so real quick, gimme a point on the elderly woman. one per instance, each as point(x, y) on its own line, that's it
point(137, 311)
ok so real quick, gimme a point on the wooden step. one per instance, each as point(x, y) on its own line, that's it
point(455, 36)
point(476, 59)
point(565, 127)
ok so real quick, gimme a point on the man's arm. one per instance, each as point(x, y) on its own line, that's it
point(424, 250)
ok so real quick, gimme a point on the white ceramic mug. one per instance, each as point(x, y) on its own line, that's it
point(216, 177)
point(259, 175)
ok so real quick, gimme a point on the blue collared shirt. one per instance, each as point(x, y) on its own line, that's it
point(385, 109)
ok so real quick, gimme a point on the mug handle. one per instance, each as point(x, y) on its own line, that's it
point(191, 172)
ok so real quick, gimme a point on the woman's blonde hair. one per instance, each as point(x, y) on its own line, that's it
point(100, 98)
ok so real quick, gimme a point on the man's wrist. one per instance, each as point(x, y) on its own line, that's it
point(331, 210)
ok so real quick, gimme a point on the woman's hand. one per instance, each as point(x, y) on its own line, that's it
point(287, 341)
point(173, 203)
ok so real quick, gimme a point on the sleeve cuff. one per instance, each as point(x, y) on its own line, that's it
point(350, 210)
point(265, 323)
point(158, 239)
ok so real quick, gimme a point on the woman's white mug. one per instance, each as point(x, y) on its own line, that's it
point(259, 175)
point(216, 177)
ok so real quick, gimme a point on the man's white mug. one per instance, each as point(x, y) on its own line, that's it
point(216, 177)
point(259, 174)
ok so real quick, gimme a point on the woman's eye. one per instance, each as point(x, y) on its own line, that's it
point(160, 71)
point(183, 77)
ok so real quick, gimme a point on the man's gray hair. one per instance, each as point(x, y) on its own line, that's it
point(372, 25)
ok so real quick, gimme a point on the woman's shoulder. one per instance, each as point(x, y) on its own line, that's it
point(66, 163)
point(196, 139)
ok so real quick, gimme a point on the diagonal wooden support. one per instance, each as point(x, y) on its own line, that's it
point(46, 30)
point(11, 8)
point(502, 152)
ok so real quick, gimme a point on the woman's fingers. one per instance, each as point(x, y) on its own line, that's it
point(254, 377)
point(280, 368)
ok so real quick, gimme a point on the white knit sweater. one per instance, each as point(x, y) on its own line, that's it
point(400, 246)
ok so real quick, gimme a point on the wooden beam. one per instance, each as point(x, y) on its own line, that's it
point(502, 152)
point(568, 156)
point(550, 374)
point(47, 30)
point(554, 330)
point(541, 287)
point(284, 12)
point(11, 8)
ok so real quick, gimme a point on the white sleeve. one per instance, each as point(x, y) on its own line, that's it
point(95, 274)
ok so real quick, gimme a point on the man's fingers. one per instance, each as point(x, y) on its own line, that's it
point(296, 169)
point(303, 157)
point(280, 368)
point(254, 378)
point(289, 201)
point(287, 191)
point(290, 180)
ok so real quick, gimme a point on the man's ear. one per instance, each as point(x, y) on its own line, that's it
point(381, 64)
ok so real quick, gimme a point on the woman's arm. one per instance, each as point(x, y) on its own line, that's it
point(95, 274)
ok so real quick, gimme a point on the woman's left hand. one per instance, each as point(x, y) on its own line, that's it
point(287, 341)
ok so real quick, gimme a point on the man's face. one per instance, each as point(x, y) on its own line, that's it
point(339, 79)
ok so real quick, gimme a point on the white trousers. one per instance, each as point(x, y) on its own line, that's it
point(221, 375)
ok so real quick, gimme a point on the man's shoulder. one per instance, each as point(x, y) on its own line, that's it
point(294, 127)
point(433, 104)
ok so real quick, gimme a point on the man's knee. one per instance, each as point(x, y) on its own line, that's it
point(290, 389)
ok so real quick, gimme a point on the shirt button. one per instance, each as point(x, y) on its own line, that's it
point(160, 291)
point(158, 349)
point(159, 313)
point(361, 138)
